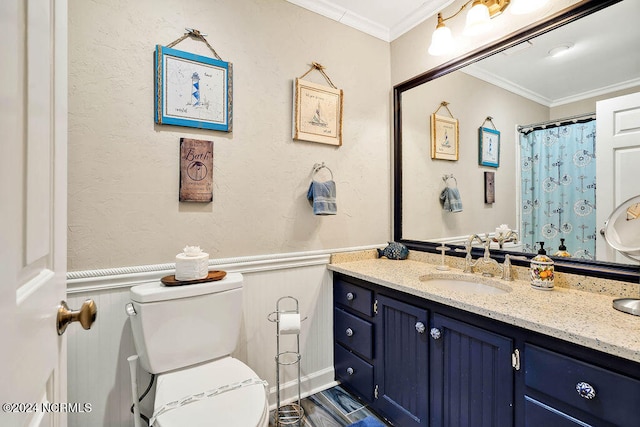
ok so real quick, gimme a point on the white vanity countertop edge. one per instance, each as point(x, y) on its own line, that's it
point(579, 317)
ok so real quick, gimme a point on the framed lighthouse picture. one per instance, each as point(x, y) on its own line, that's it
point(192, 90)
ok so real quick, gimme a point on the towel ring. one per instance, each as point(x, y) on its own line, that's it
point(446, 179)
point(319, 166)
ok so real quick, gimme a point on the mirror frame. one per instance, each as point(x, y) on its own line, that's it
point(606, 270)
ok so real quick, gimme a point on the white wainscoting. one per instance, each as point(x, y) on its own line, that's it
point(98, 371)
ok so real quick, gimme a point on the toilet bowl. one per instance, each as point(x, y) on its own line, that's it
point(185, 335)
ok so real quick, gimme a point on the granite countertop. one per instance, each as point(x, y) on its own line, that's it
point(577, 316)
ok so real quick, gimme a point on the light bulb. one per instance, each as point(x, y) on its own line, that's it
point(477, 19)
point(441, 41)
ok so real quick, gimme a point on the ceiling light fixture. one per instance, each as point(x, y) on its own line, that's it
point(477, 22)
point(560, 50)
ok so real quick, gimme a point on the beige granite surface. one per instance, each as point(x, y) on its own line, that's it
point(567, 313)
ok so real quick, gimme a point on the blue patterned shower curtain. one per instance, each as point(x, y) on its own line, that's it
point(559, 189)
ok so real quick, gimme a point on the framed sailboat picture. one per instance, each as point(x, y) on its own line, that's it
point(317, 113)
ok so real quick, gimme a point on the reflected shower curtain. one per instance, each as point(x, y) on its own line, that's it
point(559, 189)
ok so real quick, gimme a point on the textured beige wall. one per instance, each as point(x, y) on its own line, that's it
point(471, 101)
point(123, 169)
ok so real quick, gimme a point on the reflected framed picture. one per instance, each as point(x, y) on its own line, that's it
point(317, 113)
point(192, 90)
point(488, 147)
point(444, 137)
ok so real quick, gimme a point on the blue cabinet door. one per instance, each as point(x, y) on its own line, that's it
point(401, 367)
point(471, 376)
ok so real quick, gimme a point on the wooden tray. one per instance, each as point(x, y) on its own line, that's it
point(213, 276)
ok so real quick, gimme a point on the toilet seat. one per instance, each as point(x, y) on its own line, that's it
point(243, 406)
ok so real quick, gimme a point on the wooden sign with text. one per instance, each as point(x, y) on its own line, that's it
point(196, 170)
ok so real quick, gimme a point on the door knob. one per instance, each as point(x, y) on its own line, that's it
point(435, 333)
point(86, 315)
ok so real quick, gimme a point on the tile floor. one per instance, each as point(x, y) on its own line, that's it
point(332, 408)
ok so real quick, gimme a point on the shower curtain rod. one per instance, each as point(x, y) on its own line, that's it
point(557, 122)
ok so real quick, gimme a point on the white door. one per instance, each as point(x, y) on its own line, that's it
point(618, 162)
point(33, 185)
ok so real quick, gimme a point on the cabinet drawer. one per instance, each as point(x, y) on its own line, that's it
point(352, 296)
point(353, 332)
point(617, 397)
point(354, 372)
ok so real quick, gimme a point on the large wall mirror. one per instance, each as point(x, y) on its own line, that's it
point(526, 92)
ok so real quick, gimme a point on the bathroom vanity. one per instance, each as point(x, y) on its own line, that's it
point(422, 354)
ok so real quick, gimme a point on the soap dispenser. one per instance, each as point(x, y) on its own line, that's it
point(542, 270)
point(562, 250)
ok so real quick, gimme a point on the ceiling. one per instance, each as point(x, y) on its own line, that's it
point(384, 19)
point(601, 60)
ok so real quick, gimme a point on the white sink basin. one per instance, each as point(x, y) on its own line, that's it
point(467, 286)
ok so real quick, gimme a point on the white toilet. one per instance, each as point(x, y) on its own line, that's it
point(186, 334)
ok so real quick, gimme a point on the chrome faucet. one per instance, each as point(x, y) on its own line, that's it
point(486, 259)
point(507, 273)
point(470, 264)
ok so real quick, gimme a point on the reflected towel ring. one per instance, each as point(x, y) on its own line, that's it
point(446, 179)
point(319, 166)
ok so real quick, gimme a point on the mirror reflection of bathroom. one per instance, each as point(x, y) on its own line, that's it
point(556, 115)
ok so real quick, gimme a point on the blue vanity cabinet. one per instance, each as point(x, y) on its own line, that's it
point(563, 391)
point(472, 377)
point(354, 339)
point(402, 362)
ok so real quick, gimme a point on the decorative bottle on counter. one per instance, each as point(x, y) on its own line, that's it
point(542, 270)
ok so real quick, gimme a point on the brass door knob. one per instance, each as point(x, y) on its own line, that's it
point(86, 315)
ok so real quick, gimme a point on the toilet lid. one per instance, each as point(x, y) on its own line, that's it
point(242, 407)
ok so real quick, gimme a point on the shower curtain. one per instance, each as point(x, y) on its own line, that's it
point(559, 189)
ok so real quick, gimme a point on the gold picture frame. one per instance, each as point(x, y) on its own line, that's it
point(317, 113)
point(444, 137)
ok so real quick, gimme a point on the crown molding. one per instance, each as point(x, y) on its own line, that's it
point(536, 97)
point(360, 23)
point(506, 85)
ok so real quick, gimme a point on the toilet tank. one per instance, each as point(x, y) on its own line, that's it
point(178, 326)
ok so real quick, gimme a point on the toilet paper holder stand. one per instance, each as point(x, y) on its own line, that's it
point(291, 413)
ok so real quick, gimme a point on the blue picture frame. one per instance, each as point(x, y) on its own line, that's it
point(488, 147)
point(192, 90)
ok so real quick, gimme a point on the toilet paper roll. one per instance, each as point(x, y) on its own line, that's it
point(289, 324)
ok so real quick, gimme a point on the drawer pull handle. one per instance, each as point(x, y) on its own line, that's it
point(350, 371)
point(350, 296)
point(420, 327)
point(349, 332)
point(586, 390)
point(435, 333)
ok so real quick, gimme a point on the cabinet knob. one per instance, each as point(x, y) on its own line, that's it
point(420, 327)
point(350, 371)
point(349, 332)
point(350, 296)
point(585, 390)
point(435, 333)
